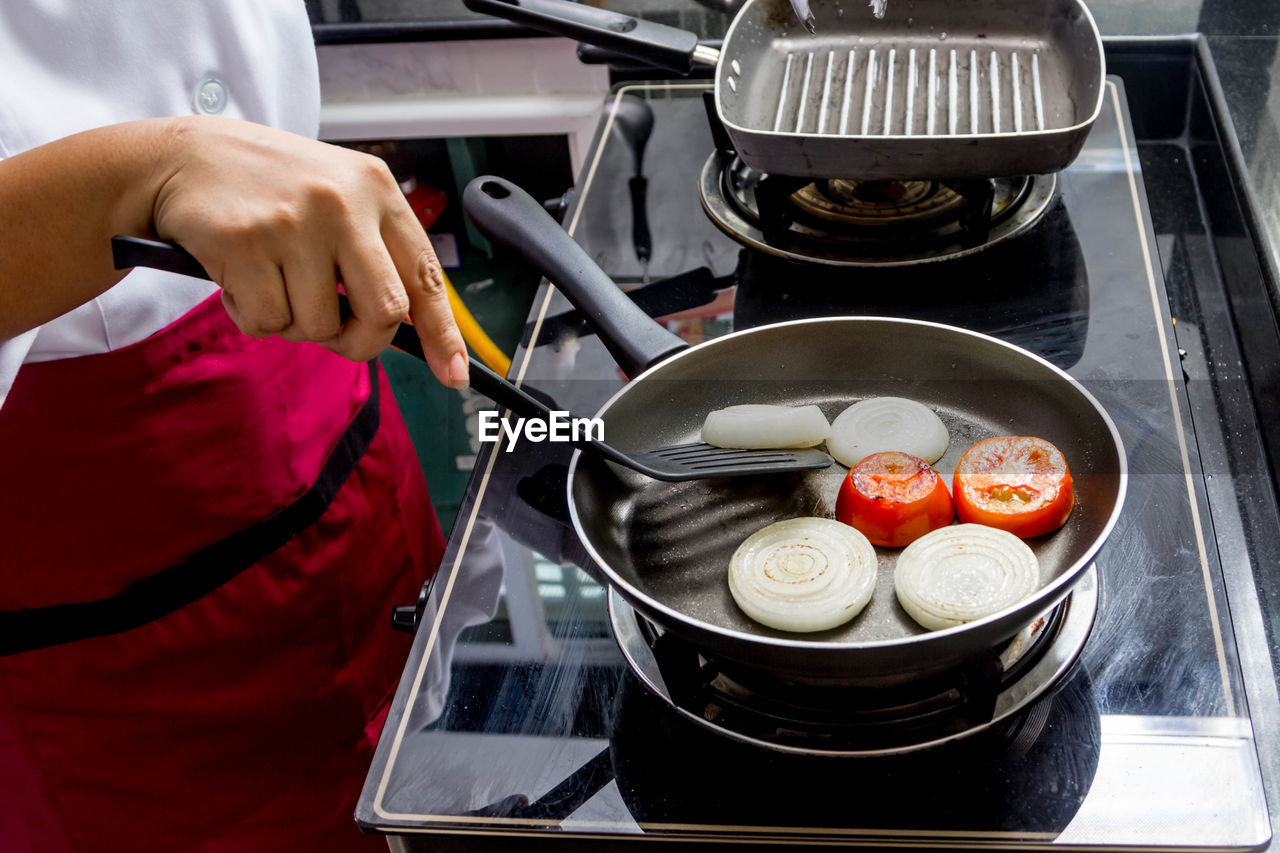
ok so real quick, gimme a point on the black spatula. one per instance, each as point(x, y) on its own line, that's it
point(694, 461)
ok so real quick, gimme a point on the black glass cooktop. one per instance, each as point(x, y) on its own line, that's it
point(517, 717)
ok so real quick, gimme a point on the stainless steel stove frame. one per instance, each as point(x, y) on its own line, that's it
point(531, 758)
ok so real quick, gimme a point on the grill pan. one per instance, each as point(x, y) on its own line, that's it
point(936, 89)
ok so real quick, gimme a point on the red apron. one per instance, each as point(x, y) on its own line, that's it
point(201, 538)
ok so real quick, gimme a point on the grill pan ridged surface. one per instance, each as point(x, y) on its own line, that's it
point(924, 90)
point(1011, 89)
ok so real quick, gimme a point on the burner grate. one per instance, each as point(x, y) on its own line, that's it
point(755, 708)
point(841, 223)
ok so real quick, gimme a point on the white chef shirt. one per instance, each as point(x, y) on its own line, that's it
point(69, 66)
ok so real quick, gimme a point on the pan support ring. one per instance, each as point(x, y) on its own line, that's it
point(1036, 658)
point(840, 223)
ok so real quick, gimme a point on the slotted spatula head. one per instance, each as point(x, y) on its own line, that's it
point(696, 461)
point(693, 461)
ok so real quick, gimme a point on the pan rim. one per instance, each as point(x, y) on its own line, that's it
point(915, 137)
point(1049, 594)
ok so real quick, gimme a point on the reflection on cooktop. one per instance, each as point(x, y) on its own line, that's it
point(1031, 290)
point(1032, 773)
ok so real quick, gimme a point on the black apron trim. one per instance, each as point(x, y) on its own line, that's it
point(204, 571)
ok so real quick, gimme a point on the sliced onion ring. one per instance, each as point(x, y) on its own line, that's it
point(887, 423)
point(756, 426)
point(803, 574)
point(962, 573)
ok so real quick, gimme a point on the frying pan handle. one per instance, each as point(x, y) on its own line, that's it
point(656, 44)
point(511, 217)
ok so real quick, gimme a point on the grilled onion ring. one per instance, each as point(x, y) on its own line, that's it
point(803, 574)
point(887, 423)
point(964, 572)
point(758, 425)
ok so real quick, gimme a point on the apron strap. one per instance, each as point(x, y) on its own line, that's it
point(204, 571)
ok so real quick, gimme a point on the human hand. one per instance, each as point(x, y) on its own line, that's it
point(278, 219)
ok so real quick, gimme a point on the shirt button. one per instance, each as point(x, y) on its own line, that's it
point(211, 96)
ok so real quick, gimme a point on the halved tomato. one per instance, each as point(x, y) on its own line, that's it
point(1017, 483)
point(894, 499)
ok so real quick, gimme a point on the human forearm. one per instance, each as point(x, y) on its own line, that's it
point(59, 205)
point(277, 220)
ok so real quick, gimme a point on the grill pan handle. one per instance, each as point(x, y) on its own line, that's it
point(511, 217)
point(654, 43)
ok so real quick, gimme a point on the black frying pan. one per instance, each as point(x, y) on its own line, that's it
point(665, 547)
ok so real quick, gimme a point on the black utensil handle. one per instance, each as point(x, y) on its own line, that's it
point(130, 252)
point(502, 392)
point(640, 237)
point(127, 252)
point(516, 400)
point(656, 44)
point(511, 217)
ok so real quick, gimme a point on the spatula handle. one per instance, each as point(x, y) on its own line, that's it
point(130, 252)
point(127, 252)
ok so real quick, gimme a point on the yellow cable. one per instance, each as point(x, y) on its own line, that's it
point(484, 347)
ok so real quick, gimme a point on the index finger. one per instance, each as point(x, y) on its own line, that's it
point(423, 278)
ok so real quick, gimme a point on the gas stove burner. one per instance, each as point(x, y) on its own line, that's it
point(871, 204)
point(860, 721)
point(868, 223)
